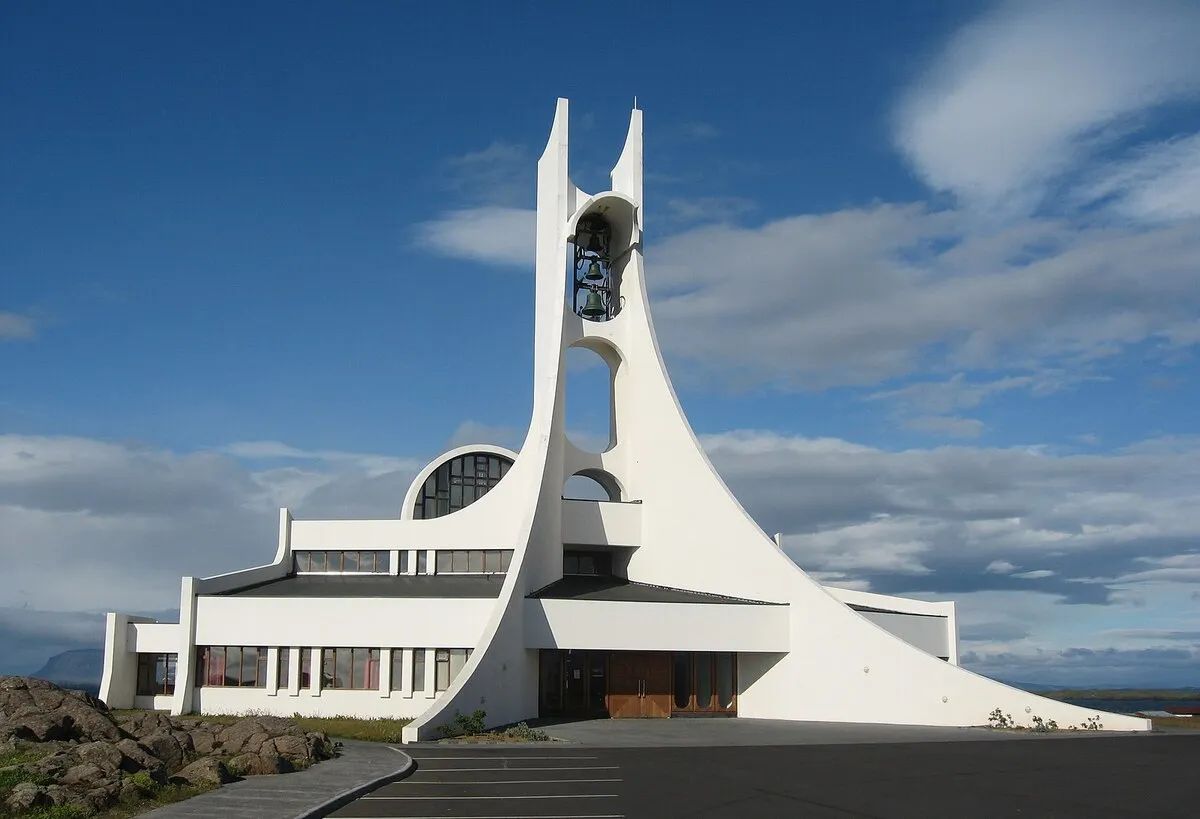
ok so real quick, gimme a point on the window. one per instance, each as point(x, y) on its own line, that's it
point(352, 668)
point(367, 562)
point(423, 562)
point(588, 563)
point(459, 482)
point(232, 666)
point(418, 681)
point(156, 674)
point(285, 668)
point(306, 668)
point(402, 561)
point(472, 561)
point(448, 662)
point(397, 669)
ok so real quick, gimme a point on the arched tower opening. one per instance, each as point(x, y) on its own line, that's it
point(591, 416)
point(592, 484)
point(597, 253)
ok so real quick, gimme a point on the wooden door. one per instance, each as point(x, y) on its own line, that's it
point(624, 685)
point(656, 686)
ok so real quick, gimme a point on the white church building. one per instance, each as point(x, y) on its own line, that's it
point(492, 591)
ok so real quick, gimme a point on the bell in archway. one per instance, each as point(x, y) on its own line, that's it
point(593, 272)
point(593, 308)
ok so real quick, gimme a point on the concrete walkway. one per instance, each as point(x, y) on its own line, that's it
point(315, 792)
point(699, 732)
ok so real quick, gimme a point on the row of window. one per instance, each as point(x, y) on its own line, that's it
point(375, 562)
point(355, 669)
point(447, 561)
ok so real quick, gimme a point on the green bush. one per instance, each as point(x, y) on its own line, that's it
point(464, 725)
point(144, 783)
point(522, 731)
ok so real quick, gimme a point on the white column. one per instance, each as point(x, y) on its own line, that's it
point(430, 672)
point(294, 671)
point(272, 672)
point(394, 562)
point(385, 672)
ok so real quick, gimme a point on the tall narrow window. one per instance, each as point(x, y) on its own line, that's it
point(306, 668)
point(284, 672)
point(418, 669)
point(397, 668)
point(441, 670)
point(725, 680)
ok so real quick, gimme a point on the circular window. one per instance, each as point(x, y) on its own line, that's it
point(459, 482)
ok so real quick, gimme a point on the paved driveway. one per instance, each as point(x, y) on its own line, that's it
point(1062, 777)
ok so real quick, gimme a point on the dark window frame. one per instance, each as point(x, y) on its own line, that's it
point(156, 674)
point(458, 482)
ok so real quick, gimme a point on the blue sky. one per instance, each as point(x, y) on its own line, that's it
point(927, 276)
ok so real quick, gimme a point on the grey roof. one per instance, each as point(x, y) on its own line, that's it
point(618, 589)
point(376, 585)
point(875, 610)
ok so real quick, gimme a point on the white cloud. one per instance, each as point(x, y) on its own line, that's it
point(497, 236)
point(500, 174)
point(1036, 574)
point(1026, 93)
point(16, 327)
point(1000, 567)
point(1160, 183)
point(862, 296)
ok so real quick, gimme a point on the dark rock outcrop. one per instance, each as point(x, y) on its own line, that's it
point(93, 758)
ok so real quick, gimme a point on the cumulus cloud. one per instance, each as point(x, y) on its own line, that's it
point(1033, 89)
point(491, 235)
point(861, 296)
point(16, 327)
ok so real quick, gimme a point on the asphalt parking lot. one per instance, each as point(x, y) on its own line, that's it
point(1064, 778)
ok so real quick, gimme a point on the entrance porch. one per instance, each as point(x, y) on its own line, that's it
point(577, 684)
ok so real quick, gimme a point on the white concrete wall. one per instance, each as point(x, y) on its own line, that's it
point(601, 522)
point(153, 637)
point(594, 624)
point(333, 622)
point(118, 682)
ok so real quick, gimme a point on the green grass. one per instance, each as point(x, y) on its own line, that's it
point(343, 727)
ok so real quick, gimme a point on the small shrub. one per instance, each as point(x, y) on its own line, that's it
point(1093, 723)
point(144, 783)
point(463, 725)
point(522, 731)
point(1042, 726)
point(998, 719)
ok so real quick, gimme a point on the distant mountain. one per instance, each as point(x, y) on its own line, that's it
point(77, 668)
point(1033, 688)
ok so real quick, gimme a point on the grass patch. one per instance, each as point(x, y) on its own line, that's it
point(1177, 722)
point(368, 730)
point(56, 812)
point(378, 729)
point(21, 756)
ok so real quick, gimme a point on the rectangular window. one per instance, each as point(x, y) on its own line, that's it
point(284, 672)
point(333, 561)
point(231, 666)
point(402, 561)
point(423, 562)
point(491, 561)
point(397, 669)
point(156, 674)
point(383, 562)
point(475, 561)
point(441, 670)
point(316, 561)
point(352, 668)
point(445, 561)
point(306, 668)
point(505, 559)
point(418, 682)
point(460, 560)
point(302, 561)
point(350, 562)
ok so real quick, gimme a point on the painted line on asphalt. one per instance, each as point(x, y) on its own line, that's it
point(498, 753)
point(458, 798)
point(505, 782)
point(530, 768)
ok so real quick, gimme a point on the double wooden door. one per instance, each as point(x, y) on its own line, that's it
point(639, 685)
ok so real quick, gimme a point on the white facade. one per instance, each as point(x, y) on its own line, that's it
point(692, 575)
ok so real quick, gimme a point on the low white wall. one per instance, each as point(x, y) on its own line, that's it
point(154, 638)
point(118, 682)
point(628, 626)
point(158, 702)
point(601, 522)
point(327, 703)
point(334, 622)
